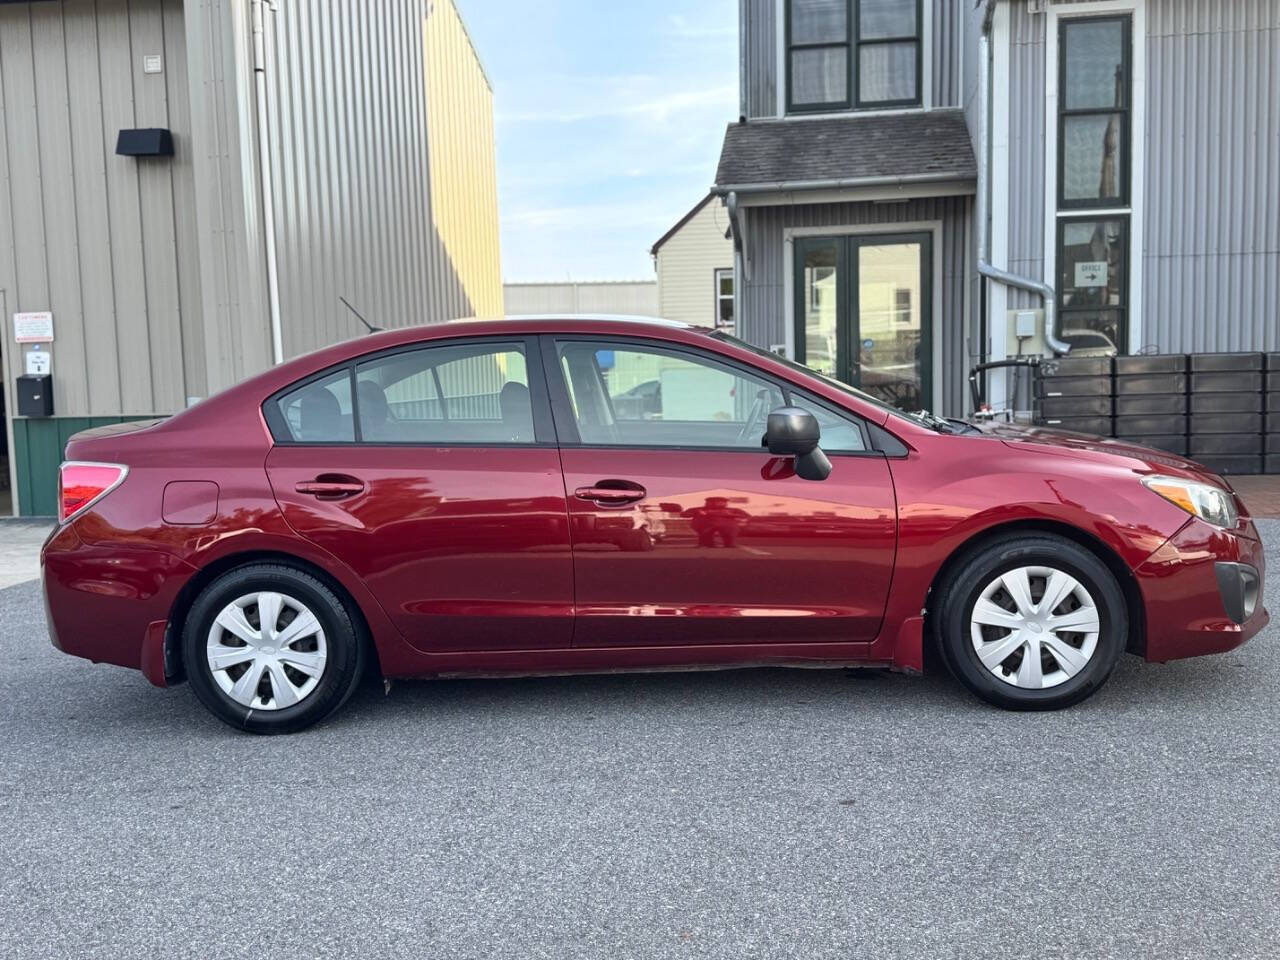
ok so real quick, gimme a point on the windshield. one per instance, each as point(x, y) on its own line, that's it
point(923, 418)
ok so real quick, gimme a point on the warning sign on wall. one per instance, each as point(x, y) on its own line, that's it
point(33, 327)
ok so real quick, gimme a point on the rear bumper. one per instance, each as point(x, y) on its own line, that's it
point(102, 601)
point(1203, 592)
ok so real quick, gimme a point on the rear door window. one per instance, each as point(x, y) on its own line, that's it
point(468, 393)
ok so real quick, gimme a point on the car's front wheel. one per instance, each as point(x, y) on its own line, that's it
point(1031, 622)
point(271, 649)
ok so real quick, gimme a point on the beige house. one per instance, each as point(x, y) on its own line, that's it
point(694, 260)
point(193, 186)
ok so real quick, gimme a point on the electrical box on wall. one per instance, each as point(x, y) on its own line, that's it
point(153, 142)
point(1026, 330)
point(35, 395)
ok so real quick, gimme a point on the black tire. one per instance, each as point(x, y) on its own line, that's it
point(952, 608)
point(345, 654)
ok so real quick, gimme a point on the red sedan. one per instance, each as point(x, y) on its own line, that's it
point(558, 496)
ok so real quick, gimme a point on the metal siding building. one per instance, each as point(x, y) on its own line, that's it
point(771, 222)
point(156, 268)
point(1208, 247)
point(632, 298)
point(1203, 262)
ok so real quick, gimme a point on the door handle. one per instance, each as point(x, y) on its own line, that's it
point(330, 487)
point(614, 493)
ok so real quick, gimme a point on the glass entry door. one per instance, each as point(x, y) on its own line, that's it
point(863, 313)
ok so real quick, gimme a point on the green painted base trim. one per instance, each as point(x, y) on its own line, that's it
point(38, 444)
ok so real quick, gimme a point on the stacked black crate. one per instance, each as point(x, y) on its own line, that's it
point(1227, 411)
point(1271, 416)
point(1151, 401)
point(1074, 393)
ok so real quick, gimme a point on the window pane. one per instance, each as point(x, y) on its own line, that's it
point(839, 434)
point(818, 21)
point(1092, 157)
point(462, 394)
point(724, 282)
point(820, 76)
point(320, 412)
point(655, 398)
point(1092, 262)
point(878, 19)
point(821, 308)
point(1094, 332)
point(1094, 64)
point(887, 71)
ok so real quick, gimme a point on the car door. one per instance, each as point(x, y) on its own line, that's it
point(685, 530)
point(432, 472)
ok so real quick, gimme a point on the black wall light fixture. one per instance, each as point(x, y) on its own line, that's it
point(150, 142)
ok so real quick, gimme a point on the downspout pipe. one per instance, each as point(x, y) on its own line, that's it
point(742, 60)
point(265, 178)
point(983, 214)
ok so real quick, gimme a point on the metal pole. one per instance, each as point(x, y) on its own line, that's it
point(265, 178)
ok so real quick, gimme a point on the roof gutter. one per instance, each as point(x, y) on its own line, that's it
point(983, 212)
point(842, 183)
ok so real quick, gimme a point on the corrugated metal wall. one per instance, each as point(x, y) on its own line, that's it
point(350, 128)
point(107, 243)
point(764, 307)
point(464, 169)
point(637, 298)
point(1026, 149)
point(762, 54)
point(1212, 225)
point(1211, 243)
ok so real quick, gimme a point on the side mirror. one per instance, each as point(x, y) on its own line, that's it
point(793, 432)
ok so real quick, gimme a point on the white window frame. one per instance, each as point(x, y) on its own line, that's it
point(780, 65)
point(1136, 210)
point(717, 296)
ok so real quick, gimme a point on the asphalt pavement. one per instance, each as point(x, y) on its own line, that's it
point(759, 813)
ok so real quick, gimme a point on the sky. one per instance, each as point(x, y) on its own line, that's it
point(610, 115)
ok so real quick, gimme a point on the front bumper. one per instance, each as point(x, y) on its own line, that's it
point(1197, 590)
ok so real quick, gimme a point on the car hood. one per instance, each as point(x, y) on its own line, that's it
point(1087, 447)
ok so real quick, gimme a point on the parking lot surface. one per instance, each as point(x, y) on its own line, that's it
point(760, 813)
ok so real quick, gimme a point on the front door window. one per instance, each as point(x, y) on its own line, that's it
point(862, 313)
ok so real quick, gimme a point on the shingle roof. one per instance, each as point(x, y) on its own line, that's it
point(930, 143)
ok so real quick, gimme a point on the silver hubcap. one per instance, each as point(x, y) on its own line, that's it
point(1035, 627)
point(266, 650)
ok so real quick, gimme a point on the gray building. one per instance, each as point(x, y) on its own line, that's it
point(186, 190)
point(916, 186)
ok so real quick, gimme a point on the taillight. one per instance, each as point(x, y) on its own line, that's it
point(80, 484)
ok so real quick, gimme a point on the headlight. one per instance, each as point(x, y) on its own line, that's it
point(1211, 504)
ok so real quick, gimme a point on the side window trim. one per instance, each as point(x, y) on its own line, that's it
point(544, 430)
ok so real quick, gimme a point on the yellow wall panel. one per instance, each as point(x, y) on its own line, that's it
point(464, 179)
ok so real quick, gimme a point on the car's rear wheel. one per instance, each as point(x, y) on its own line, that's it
point(1031, 622)
point(271, 649)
